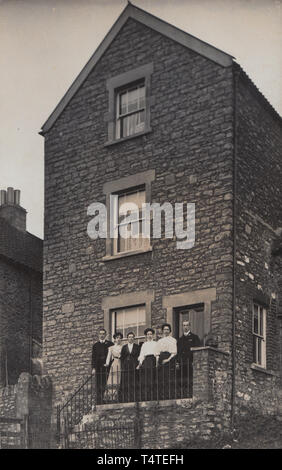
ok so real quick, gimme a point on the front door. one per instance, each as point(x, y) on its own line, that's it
point(194, 313)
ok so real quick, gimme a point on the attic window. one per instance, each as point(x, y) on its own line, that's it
point(130, 110)
point(130, 101)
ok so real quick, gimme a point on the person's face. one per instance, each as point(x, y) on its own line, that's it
point(186, 326)
point(102, 335)
point(166, 331)
point(130, 339)
point(149, 336)
point(118, 339)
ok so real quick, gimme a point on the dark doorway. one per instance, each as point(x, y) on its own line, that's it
point(194, 313)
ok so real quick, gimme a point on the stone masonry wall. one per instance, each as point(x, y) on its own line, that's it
point(8, 401)
point(20, 300)
point(34, 399)
point(30, 397)
point(259, 214)
point(190, 148)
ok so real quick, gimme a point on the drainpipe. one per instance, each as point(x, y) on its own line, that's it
point(235, 125)
point(30, 324)
point(6, 368)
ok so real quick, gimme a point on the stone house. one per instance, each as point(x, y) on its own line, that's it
point(157, 115)
point(21, 261)
point(21, 393)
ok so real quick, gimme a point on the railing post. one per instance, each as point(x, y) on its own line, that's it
point(93, 391)
point(58, 433)
point(137, 428)
point(25, 438)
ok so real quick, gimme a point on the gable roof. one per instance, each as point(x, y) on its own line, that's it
point(145, 18)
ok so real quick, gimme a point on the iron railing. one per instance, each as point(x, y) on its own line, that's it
point(166, 382)
point(79, 404)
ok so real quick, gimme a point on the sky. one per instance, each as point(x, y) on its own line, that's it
point(44, 44)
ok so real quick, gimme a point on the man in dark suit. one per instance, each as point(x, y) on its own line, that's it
point(99, 356)
point(185, 358)
point(129, 361)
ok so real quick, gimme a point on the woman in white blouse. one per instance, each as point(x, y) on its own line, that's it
point(166, 351)
point(147, 366)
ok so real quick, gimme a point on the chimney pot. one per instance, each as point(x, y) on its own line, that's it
point(10, 195)
point(3, 197)
point(10, 208)
point(17, 196)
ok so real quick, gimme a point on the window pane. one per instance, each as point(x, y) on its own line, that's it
point(140, 118)
point(129, 319)
point(123, 99)
point(254, 349)
point(141, 320)
point(136, 241)
point(261, 321)
point(132, 124)
point(141, 315)
point(255, 323)
point(140, 198)
point(133, 100)
point(131, 316)
point(125, 200)
point(130, 111)
point(259, 345)
point(142, 97)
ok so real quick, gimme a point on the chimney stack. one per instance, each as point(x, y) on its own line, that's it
point(11, 210)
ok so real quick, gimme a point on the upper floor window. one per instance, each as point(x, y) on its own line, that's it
point(130, 235)
point(259, 335)
point(127, 233)
point(130, 110)
point(130, 100)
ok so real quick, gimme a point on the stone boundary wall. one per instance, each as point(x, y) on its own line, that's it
point(31, 397)
point(8, 401)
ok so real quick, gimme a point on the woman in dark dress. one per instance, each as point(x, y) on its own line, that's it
point(129, 360)
point(147, 366)
point(166, 354)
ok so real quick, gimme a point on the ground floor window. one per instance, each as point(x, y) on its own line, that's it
point(129, 319)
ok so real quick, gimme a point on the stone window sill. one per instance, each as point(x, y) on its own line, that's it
point(125, 254)
point(262, 369)
point(123, 139)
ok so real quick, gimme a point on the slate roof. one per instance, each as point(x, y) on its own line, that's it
point(20, 247)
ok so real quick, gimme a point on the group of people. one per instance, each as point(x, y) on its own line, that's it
point(160, 369)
